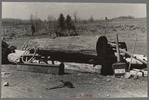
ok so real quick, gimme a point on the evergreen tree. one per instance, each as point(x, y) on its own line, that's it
point(61, 21)
point(68, 22)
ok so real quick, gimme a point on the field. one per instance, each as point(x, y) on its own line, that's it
point(87, 80)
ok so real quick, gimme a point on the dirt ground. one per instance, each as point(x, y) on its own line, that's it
point(87, 83)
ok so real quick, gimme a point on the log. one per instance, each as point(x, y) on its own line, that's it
point(66, 44)
point(135, 57)
point(69, 49)
point(70, 56)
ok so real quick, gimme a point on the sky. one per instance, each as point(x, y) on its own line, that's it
point(23, 10)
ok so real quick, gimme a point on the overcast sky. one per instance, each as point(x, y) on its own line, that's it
point(23, 10)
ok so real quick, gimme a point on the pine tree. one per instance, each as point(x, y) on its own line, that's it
point(68, 22)
point(61, 22)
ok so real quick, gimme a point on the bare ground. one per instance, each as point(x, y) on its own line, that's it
point(86, 80)
point(33, 85)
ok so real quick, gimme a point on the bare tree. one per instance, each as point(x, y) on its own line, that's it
point(32, 24)
point(51, 24)
point(31, 18)
point(35, 23)
point(75, 16)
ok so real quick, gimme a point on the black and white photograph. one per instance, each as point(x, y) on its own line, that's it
point(74, 50)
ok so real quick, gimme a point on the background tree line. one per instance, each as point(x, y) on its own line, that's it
point(58, 26)
point(61, 26)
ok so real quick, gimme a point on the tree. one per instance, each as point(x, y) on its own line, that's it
point(91, 19)
point(50, 18)
point(31, 18)
point(61, 22)
point(75, 16)
point(33, 29)
point(68, 22)
point(51, 24)
point(32, 24)
point(35, 23)
point(106, 18)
